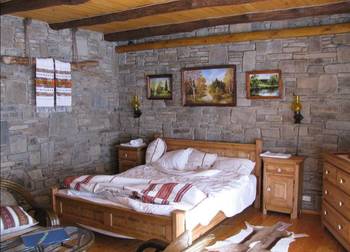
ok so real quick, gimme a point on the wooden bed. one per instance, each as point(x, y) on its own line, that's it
point(142, 226)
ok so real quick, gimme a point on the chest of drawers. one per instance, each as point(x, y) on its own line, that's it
point(336, 196)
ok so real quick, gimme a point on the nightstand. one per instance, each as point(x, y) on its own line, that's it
point(129, 157)
point(282, 185)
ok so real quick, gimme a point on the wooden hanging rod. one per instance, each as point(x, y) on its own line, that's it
point(239, 37)
point(9, 60)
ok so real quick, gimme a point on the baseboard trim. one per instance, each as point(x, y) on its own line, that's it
point(308, 211)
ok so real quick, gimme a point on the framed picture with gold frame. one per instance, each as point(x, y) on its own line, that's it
point(209, 86)
point(264, 84)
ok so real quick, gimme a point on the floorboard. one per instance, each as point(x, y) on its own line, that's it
point(319, 240)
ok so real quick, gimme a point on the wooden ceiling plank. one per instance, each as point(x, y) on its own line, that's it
point(27, 5)
point(240, 37)
point(343, 7)
point(174, 6)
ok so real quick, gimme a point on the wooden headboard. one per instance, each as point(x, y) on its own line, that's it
point(227, 149)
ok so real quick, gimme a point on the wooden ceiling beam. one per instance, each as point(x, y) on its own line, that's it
point(179, 5)
point(239, 37)
point(27, 5)
point(343, 7)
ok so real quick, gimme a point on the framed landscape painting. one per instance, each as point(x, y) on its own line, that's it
point(159, 87)
point(209, 86)
point(264, 84)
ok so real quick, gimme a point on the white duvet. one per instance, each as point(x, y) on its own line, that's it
point(226, 190)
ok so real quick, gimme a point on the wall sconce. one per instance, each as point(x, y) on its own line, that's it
point(296, 107)
point(135, 103)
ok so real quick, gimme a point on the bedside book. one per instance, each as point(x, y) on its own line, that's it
point(275, 155)
point(45, 238)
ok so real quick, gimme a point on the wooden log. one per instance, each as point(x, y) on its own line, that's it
point(150, 10)
point(27, 5)
point(239, 37)
point(10, 60)
point(343, 7)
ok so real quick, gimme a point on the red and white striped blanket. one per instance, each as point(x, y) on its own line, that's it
point(146, 190)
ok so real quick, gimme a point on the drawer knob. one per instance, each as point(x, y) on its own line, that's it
point(341, 181)
point(327, 172)
point(279, 170)
point(341, 203)
point(268, 189)
point(340, 227)
point(325, 212)
point(326, 192)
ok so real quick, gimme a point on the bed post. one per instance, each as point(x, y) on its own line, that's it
point(178, 223)
point(54, 190)
point(258, 172)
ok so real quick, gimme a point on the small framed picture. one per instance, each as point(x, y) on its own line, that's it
point(264, 84)
point(159, 87)
point(209, 86)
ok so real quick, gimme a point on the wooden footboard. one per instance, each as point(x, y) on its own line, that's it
point(142, 226)
point(121, 221)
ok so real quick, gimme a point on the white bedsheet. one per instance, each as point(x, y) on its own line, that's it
point(227, 191)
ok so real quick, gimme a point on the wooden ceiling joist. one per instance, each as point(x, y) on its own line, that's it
point(150, 10)
point(26, 5)
point(343, 7)
point(239, 37)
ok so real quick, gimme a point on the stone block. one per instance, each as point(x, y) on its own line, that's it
point(343, 54)
point(266, 47)
point(18, 144)
point(36, 174)
point(249, 60)
point(327, 84)
point(273, 133)
point(243, 46)
point(338, 125)
point(337, 68)
point(4, 133)
point(34, 158)
point(344, 83)
point(308, 82)
point(218, 55)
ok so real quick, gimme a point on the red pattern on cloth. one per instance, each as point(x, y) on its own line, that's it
point(85, 181)
point(164, 193)
point(7, 218)
point(22, 218)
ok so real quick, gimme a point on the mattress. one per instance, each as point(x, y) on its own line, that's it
point(227, 192)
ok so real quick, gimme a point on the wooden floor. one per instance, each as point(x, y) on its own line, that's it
point(319, 239)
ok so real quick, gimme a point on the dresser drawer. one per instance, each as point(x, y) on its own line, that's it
point(128, 155)
point(343, 180)
point(340, 225)
point(330, 172)
point(337, 199)
point(280, 169)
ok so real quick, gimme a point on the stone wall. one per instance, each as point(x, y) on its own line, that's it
point(40, 149)
point(317, 68)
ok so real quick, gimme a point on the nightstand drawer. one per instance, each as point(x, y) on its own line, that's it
point(330, 172)
point(339, 224)
point(343, 180)
point(126, 165)
point(128, 155)
point(280, 169)
point(336, 198)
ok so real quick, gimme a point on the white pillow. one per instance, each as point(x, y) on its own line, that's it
point(200, 160)
point(240, 165)
point(14, 218)
point(155, 150)
point(175, 160)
